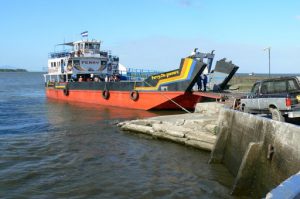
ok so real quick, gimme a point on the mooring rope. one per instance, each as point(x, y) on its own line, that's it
point(171, 100)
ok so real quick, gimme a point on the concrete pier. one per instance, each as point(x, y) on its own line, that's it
point(194, 129)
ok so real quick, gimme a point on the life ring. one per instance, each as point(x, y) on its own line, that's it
point(105, 94)
point(134, 95)
point(66, 90)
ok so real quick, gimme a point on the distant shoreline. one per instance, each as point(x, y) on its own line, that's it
point(12, 70)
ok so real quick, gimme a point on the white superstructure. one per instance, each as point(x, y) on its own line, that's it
point(83, 58)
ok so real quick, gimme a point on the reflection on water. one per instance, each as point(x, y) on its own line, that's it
point(51, 149)
point(69, 111)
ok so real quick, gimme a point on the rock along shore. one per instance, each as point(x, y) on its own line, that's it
point(196, 129)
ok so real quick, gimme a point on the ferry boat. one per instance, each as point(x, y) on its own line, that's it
point(89, 75)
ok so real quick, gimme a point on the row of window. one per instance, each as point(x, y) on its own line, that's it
point(54, 64)
point(89, 46)
point(75, 62)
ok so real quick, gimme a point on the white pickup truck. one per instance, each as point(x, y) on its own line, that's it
point(278, 96)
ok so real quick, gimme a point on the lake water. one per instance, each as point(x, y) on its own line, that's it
point(51, 149)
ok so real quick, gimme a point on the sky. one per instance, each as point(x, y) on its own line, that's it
point(155, 34)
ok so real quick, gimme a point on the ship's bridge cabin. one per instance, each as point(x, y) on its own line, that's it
point(82, 58)
point(85, 48)
point(79, 49)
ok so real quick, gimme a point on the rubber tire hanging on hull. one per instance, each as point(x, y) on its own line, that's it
point(134, 95)
point(66, 90)
point(105, 94)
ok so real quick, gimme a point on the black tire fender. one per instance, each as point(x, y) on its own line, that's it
point(66, 90)
point(105, 94)
point(134, 95)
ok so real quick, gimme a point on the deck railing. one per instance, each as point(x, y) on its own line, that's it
point(134, 74)
point(64, 53)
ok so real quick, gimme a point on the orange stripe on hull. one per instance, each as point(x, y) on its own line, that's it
point(146, 100)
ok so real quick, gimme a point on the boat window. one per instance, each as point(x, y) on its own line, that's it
point(96, 46)
point(54, 64)
point(76, 62)
point(51, 64)
point(81, 46)
point(91, 46)
point(102, 53)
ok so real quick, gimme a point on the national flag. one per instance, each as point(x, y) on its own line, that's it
point(84, 34)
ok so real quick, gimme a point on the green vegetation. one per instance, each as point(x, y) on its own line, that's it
point(244, 83)
point(12, 70)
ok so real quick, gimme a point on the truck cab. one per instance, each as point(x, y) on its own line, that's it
point(279, 97)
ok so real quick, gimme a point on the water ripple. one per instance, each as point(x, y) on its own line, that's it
point(51, 149)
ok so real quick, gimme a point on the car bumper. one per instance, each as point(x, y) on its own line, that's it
point(293, 114)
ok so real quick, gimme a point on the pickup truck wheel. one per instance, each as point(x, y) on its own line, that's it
point(244, 109)
point(276, 115)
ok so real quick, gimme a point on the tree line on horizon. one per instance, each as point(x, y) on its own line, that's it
point(12, 70)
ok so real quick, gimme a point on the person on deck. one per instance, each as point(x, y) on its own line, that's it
point(96, 79)
point(204, 82)
point(80, 79)
point(199, 83)
point(92, 77)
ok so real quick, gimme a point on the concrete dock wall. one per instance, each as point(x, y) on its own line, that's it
point(260, 152)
